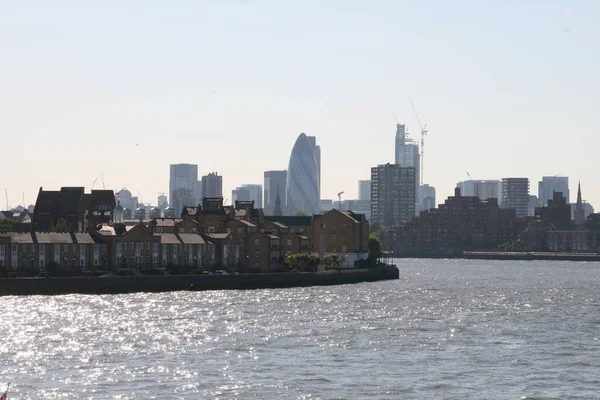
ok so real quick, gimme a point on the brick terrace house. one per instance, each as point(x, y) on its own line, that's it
point(345, 234)
point(263, 251)
point(35, 251)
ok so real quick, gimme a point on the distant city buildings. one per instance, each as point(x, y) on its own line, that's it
point(364, 190)
point(248, 192)
point(407, 155)
point(393, 194)
point(162, 201)
point(212, 185)
point(484, 189)
point(550, 184)
point(126, 199)
point(303, 179)
point(427, 196)
point(183, 176)
point(274, 182)
point(515, 194)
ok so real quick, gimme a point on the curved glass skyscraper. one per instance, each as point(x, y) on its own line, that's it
point(303, 179)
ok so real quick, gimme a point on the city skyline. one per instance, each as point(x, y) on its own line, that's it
point(504, 110)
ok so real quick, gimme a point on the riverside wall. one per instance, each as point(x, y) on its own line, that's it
point(132, 284)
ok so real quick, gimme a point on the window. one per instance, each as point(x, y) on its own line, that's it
point(42, 249)
point(332, 226)
point(155, 248)
point(289, 242)
point(147, 245)
point(2, 251)
point(74, 248)
point(33, 248)
point(333, 236)
point(240, 231)
point(257, 242)
point(66, 248)
point(119, 248)
point(343, 226)
point(14, 248)
point(257, 254)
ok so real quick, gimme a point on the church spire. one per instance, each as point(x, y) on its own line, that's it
point(579, 210)
point(277, 211)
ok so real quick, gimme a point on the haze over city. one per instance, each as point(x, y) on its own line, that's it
point(507, 90)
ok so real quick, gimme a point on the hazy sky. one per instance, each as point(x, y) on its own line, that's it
point(507, 88)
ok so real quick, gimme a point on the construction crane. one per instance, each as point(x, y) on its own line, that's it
point(102, 176)
point(340, 199)
point(423, 133)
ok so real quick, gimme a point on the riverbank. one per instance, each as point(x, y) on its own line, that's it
point(132, 284)
point(509, 256)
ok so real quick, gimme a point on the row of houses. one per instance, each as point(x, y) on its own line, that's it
point(207, 236)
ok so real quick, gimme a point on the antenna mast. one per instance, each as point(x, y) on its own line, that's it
point(6, 194)
point(423, 133)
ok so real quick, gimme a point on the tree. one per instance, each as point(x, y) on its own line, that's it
point(6, 225)
point(376, 229)
point(375, 248)
point(332, 261)
point(302, 262)
point(61, 226)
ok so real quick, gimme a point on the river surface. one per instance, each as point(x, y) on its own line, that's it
point(447, 329)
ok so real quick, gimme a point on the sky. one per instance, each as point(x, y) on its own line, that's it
point(122, 89)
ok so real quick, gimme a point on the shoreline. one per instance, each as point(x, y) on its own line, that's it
point(156, 284)
point(506, 256)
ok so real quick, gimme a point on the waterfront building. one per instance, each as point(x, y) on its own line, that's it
point(462, 222)
point(248, 192)
point(550, 184)
point(183, 176)
point(212, 185)
point(515, 194)
point(364, 190)
point(73, 207)
point(274, 183)
point(303, 185)
point(407, 155)
point(392, 194)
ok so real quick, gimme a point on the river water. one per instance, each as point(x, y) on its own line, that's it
point(447, 329)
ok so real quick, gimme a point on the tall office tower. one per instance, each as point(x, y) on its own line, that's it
point(302, 186)
point(162, 201)
point(212, 185)
point(247, 193)
point(550, 184)
point(484, 189)
point(274, 181)
point(407, 155)
point(392, 194)
point(515, 194)
point(364, 190)
point(183, 176)
point(427, 196)
point(317, 151)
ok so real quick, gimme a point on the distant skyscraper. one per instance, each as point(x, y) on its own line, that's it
point(317, 151)
point(247, 193)
point(407, 154)
point(183, 176)
point(392, 194)
point(550, 184)
point(484, 189)
point(364, 190)
point(515, 194)
point(212, 185)
point(274, 180)
point(162, 201)
point(302, 191)
point(427, 196)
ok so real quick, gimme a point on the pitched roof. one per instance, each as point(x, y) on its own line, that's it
point(17, 237)
point(217, 236)
point(191, 238)
point(167, 221)
point(54, 237)
point(83, 238)
point(168, 238)
point(296, 220)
